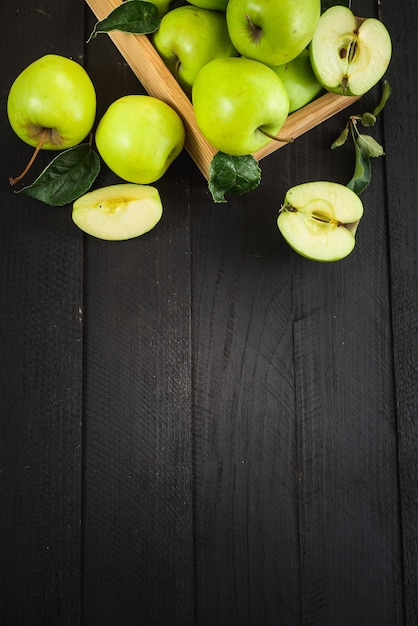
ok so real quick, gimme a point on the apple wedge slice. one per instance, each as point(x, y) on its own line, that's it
point(118, 212)
point(319, 220)
point(349, 55)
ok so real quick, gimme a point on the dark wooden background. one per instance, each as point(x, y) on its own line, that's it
point(200, 427)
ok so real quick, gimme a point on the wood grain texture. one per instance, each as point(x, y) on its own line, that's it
point(246, 525)
point(341, 493)
point(401, 130)
point(348, 498)
point(137, 514)
point(138, 559)
point(40, 369)
point(295, 449)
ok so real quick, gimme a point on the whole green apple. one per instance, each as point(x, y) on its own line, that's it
point(239, 104)
point(163, 6)
point(270, 31)
point(319, 220)
point(349, 55)
point(188, 38)
point(216, 5)
point(139, 137)
point(300, 81)
point(52, 103)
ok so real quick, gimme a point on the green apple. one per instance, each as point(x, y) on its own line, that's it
point(52, 103)
point(239, 104)
point(349, 55)
point(300, 81)
point(270, 31)
point(319, 220)
point(139, 137)
point(215, 5)
point(118, 212)
point(163, 6)
point(188, 38)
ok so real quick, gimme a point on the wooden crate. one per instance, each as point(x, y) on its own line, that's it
point(154, 76)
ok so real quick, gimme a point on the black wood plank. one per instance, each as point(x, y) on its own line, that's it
point(40, 321)
point(295, 461)
point(137, 515)
point(401, 131)
point(246, 523)
point(351, 561)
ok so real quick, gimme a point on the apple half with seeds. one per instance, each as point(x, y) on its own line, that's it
point(319, 220)
point(349, 55)
point(118, 212)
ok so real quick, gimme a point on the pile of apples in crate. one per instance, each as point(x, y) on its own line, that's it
point(245, 65)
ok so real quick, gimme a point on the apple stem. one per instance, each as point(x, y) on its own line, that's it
point(288, 207)
point(255, 30)
point(281, 139)
point(353, 128)
point(39, 145)
point(177, 66)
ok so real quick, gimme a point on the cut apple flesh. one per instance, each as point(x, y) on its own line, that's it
point(319, 220)
point(348, 55)
point(118, 212)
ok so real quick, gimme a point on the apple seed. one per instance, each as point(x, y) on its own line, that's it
point(316, 214)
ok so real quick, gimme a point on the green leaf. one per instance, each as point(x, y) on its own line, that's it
point(67, 177)
point(232, 174)
point(362, 171)
point(326, 4)
point(369, 146)
point(387, 91)
point(340, 141)
point(133, 16)
point(368, 119)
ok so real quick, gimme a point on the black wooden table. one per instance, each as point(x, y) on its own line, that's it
point(200, 427)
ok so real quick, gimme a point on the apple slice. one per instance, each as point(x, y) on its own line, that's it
point(319, 220)
point(349, 55)
point(118, 212)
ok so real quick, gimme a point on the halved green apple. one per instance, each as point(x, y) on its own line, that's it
point(349, 55)
point(319, 220)
point(118, 212)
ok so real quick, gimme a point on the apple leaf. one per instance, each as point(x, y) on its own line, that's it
point(362, 171)
point(387, 91)
point(67, 177)
point(341, 139)
point(365, 146)
point(369, 146)
point(133, 16)
point(368, 119)
point(232, 174)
